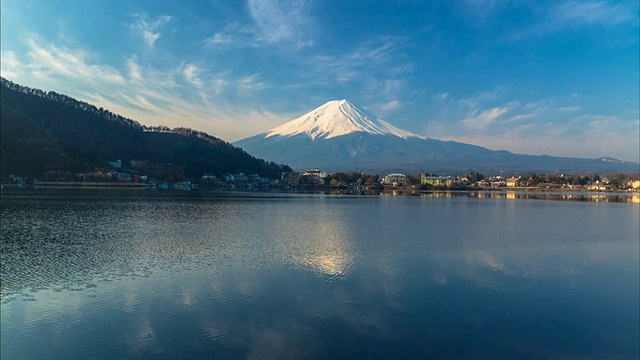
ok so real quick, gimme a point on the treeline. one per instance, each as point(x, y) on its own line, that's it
point(340, 179)
point(46, 131)
point(617, 179)
point(69, 101)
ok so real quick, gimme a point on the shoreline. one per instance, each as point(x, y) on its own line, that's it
point(37, 184)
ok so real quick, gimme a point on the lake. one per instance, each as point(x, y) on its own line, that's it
point(140, 274)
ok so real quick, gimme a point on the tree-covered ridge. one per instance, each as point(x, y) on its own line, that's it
point(69, 101)
point(201, 135)
point(44, 131)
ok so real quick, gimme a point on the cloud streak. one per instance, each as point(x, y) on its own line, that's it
point(548, 126)
point(233, 35)
point(380, 57)
point(68, 63)
point(283, 22)
point(8, 64)
point(572, 15)
point(149, 95)
point(148, 30)
point(389, 106)
point(581, 13)
point(441, 96)
point(191, 72)
point(480, 121)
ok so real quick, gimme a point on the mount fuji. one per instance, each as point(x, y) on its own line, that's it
point(338, 136)
point(338, 118)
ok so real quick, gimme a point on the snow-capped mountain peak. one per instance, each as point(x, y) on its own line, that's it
point(336, 118)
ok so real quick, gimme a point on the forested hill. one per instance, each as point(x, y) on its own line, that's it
point(43, 131)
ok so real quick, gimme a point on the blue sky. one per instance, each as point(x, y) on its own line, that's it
point(536, 77)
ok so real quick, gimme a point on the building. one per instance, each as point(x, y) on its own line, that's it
point(497, 181)
point(116, 164)
point(634, 184)
point(316, 172)
point(395, 179)
point(238, 180)
point(437, 181)
point(598, 186)
point(311, 172)
point(513, 181)
point(312, 177)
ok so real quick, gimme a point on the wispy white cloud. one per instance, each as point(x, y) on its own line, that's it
point(380, 58)
point(518, 118)
point(233, 35)
point(219, 85)
point(148, 30)
point(570, 108)
point(218, 38)
point(251, 83)
point(484, 96)
point(191, 74)
point(614, 137)
point(135, 73)
point(544, 18)
point(441, 96)
point(571, 15)
point(392, 86)
point(376, 50)
point(283, 22)
point(480, 121)
point(68, 63)
point(150, 37)
point(8, 64)
point(495, 120)
point(150, 95)
point(579, 13)
point(391, 105)
point(482, 12)
point(388, 108)
point(287, 25)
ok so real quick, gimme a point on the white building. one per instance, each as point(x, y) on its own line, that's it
point(395, 179)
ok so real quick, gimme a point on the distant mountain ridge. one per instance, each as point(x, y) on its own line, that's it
point(338, 136)
point(43, 131)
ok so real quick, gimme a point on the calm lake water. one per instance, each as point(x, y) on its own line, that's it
point(156, 275)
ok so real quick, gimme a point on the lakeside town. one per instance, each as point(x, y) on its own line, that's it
point(144, 174)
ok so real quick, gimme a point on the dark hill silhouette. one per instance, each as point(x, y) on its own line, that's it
point(44, 131)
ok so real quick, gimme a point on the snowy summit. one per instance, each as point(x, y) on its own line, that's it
point(337, 118)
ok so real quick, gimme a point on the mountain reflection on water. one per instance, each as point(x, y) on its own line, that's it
point(317, 276)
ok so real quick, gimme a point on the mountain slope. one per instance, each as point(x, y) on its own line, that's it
point(338, 136)
point(44, 131)
point(336, 118)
